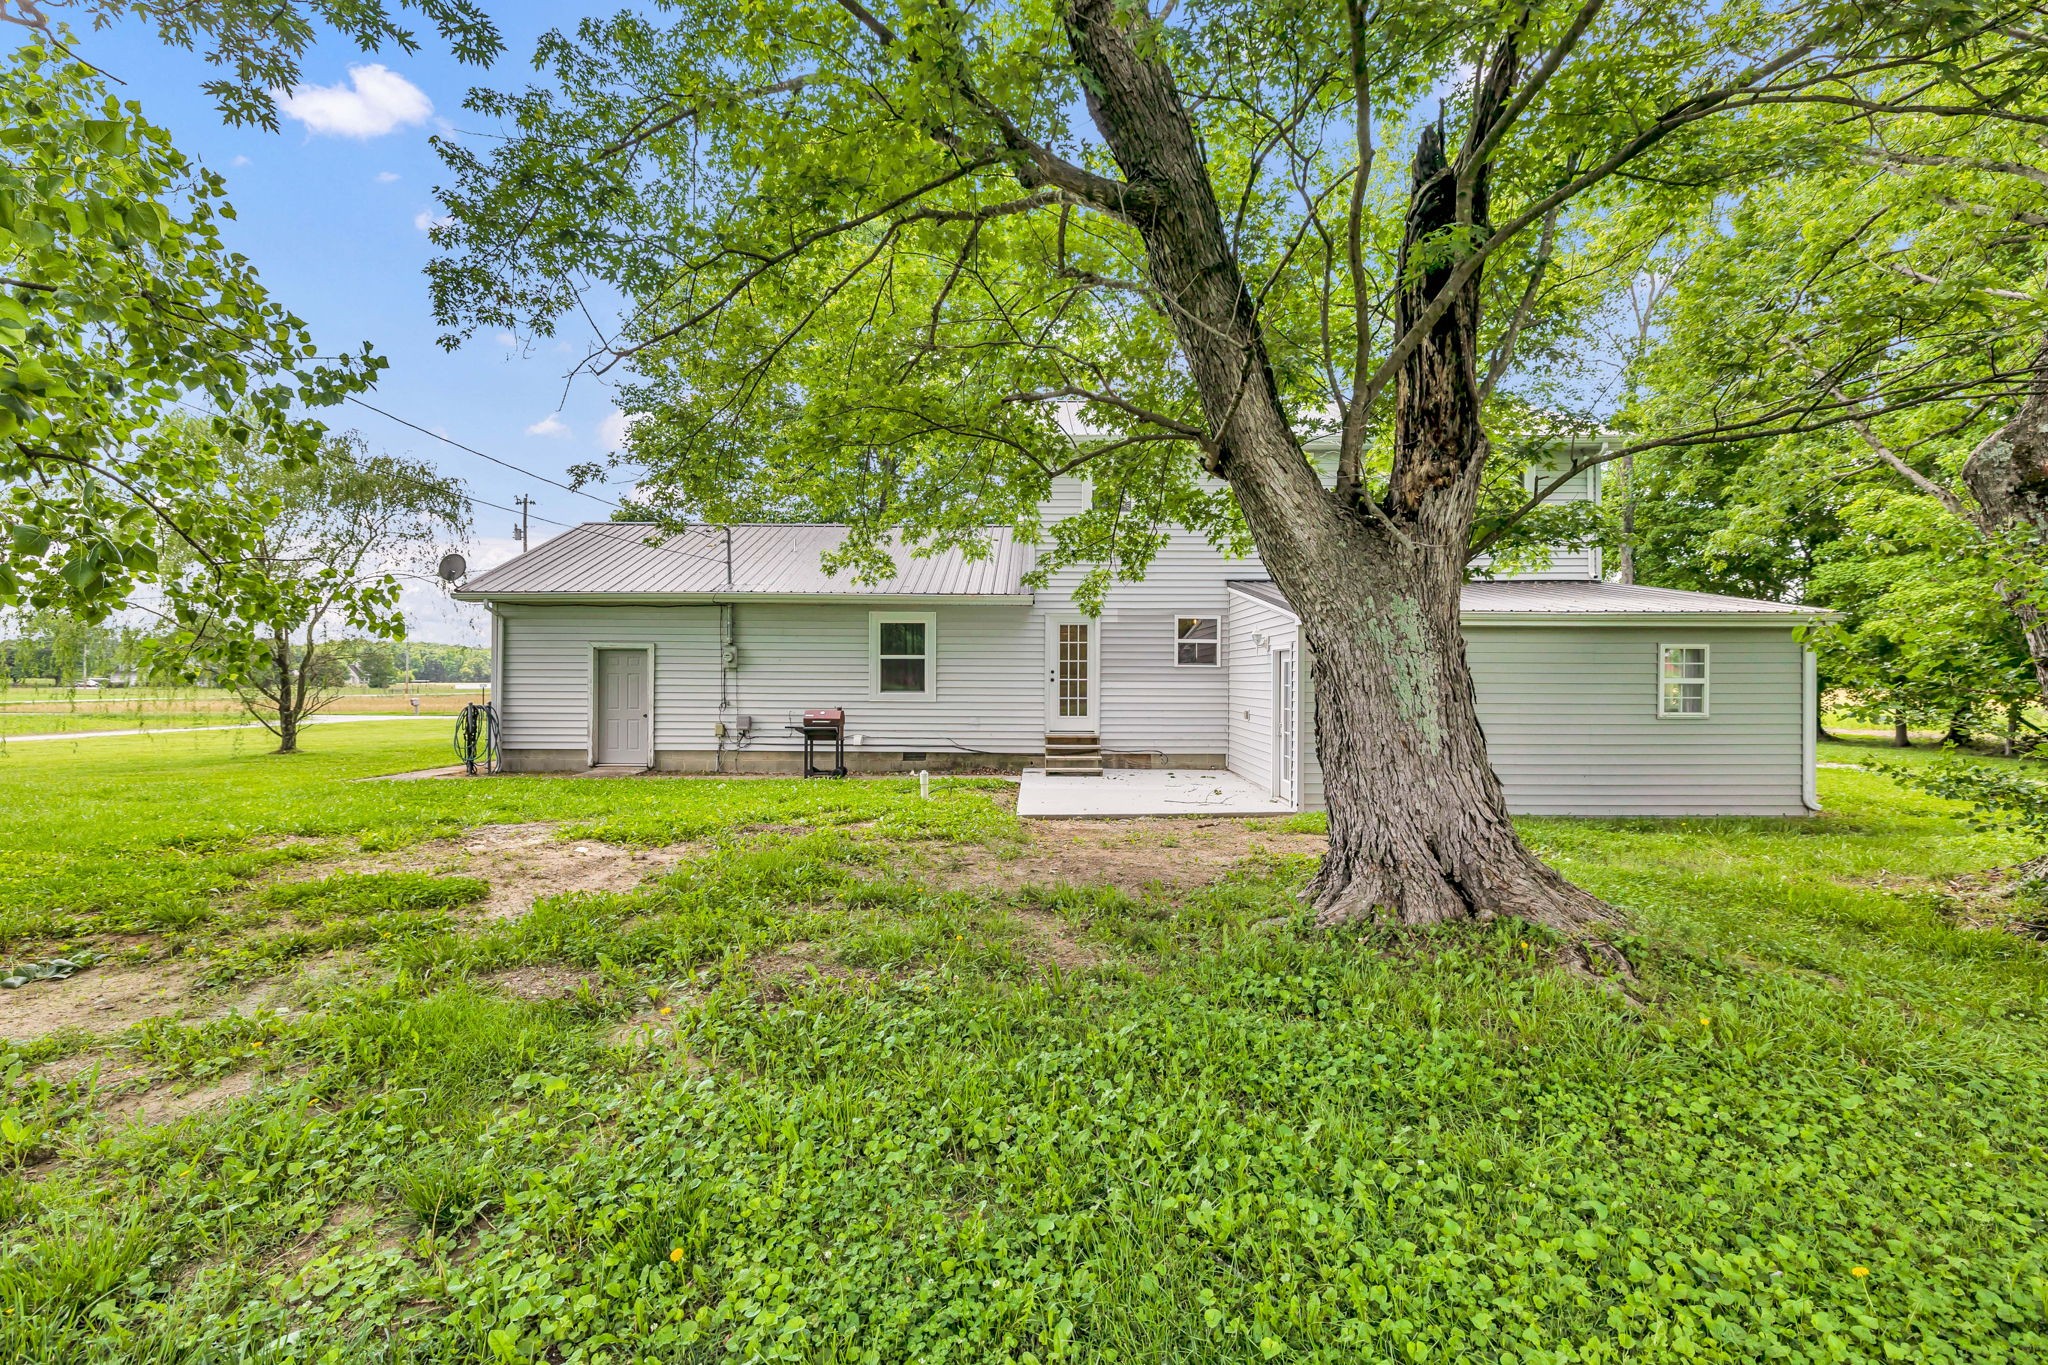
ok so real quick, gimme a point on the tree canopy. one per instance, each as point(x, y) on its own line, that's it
point(121, 308)
point(881, 267)
point(1897, 287)
point(258, 44)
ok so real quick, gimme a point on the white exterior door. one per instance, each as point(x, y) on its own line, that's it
point(1071, 671)
point(1286, 728)
point(623, 714)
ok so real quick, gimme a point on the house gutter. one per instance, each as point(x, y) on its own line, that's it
point(1639, 618)
point(653, 599)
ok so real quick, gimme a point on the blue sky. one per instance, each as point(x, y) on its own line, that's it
point(333, 209)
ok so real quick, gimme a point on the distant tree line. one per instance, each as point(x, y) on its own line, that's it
point(382, 663)
point(62, 648)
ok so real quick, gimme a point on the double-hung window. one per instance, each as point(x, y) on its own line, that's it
point(1682, 682)
point(903, 653)
point(1198, 641)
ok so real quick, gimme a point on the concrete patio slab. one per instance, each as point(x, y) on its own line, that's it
point(1143, 791)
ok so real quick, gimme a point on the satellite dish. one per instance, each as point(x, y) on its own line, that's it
point(453, 567)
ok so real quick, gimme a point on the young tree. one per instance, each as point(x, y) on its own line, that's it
point(343, 526)
point(871, 252)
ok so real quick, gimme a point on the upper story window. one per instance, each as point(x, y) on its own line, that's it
point(1198, 640)
point(1682, 681)
point(902, 647)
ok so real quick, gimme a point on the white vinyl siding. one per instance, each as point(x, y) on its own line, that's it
point(543, 696)
point(1572, 725)
point(793, 657)
point(1148, 705)
point(1565, 563)
point(1572, 728)
point(1254, 630)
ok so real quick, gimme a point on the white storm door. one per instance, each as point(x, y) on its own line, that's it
point(1071, 671)
point(1286, 728)
point(622, 708)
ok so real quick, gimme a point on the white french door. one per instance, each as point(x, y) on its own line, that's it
point(1071, 671)
point(1286, 728)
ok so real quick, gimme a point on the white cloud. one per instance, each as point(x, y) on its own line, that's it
point(386, 177)
point(376, 101)
point(612, 429)
point(426, 220)
point(239, 160)
point(506, 339)
point(550, 425)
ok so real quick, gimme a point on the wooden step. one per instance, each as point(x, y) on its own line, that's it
point(1073, 755)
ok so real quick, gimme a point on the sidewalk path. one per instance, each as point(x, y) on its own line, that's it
point(197, 729)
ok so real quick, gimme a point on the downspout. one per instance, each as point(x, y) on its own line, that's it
point(1809, 727)
point(496, 697)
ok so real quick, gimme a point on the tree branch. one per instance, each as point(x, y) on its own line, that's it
point(1504, 353)
point(1112, 400)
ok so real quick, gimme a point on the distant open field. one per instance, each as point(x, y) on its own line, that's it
point(56, 711)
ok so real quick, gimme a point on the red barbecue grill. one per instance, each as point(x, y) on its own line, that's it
point(816, 727)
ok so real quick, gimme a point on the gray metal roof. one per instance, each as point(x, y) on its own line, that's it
point(1536, 599)
point(613, 559)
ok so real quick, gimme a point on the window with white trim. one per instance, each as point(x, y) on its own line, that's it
point(1682, 681)
point(902, 648)
point(1198, 641)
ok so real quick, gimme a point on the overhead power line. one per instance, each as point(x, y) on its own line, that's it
point(482, 502)
point(483, 455)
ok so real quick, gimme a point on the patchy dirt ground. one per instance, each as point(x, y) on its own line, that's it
point(539, 983)
point(1131, 855)
point(523, 863)
point(108, 998)
point(1048, 936)
point(168, 1103)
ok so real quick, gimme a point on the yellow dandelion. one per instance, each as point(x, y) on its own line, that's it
point(1860, 1272)
point(1705, 1022)
point(666, 1010)
point(676, 1254)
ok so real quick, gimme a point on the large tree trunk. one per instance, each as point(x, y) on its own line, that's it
point(2008, 475)
point(1419, 830)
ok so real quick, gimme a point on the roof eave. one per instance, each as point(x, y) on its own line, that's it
point(678, 599)
point(1637, 618)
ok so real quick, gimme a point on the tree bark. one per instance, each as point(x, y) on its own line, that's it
point(1419, 829)
point(288, 700)
point(1901, 737)
point(2008, 476)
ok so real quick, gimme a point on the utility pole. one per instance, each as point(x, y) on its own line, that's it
point(525, 505)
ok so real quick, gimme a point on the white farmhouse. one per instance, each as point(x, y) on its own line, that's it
point(700, 652)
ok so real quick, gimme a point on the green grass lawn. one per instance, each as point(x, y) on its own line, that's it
point(55, 711)
point(772, 1070)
